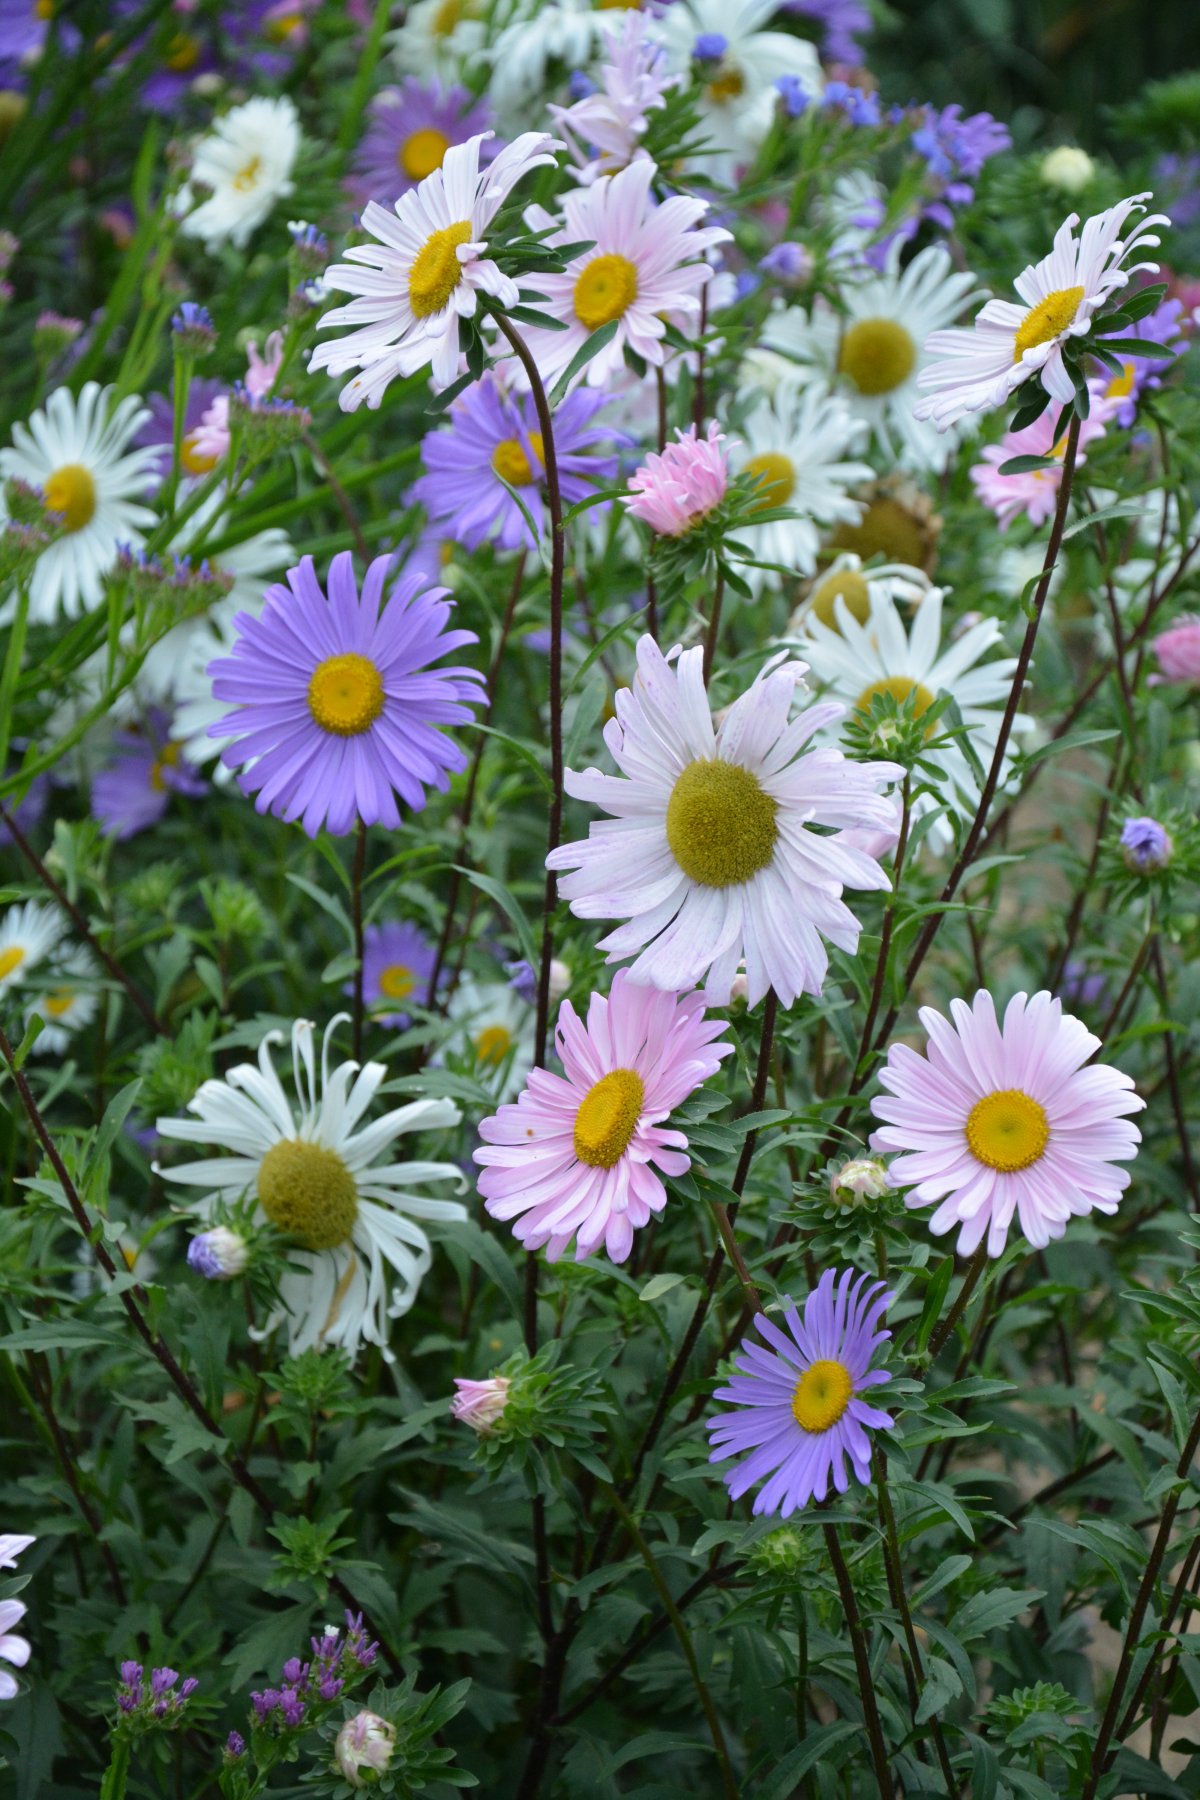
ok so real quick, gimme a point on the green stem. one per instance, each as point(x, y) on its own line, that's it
point(862, 1662)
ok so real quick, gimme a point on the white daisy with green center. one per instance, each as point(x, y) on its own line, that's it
point(857, 586)
point(79, 451)
point(493, 1034)
point(68, 1001)
point(975, 369)
point(28, 934)
point(796, 444)
point(316, 1172)
point(245, 163)
point(873, 351)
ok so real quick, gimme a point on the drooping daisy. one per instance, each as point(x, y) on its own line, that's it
point(337, 709)
point(711, 854)
point(970, 370)
point(799, 1407)
point(643, 262)
point(874, 354)
point(78, 451)
point(398, 961)
point(28, 933)
point(677, 489)
point(412, 127)
point(995, 1120)
point(246, 161)
point(494, 1026)
point(68, 1004)
point(855, 662)
point(493, 445)
point(737, 63)
point(1031, 492)
point(425, 272)
point(604, 129)
point(575, 1157)
point(314, 1170)
point(796, 444)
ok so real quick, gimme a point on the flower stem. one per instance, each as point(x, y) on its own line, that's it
point(714, 623)
point(356, 912)
point(974, 1270)
point(894, 1568)
point(862, 1664)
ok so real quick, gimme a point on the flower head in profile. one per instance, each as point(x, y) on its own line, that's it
point(799, 1412)
point(79, 450)
point(425, 272)
point(1146, 846)
point(337, 707)
point(412, 127)
point(644, 261)
point(246, 163)
point(971, 370)
point(711, 854)
point(317, 1172)
point(675, 489)
point(28, 934)
point(577, 1157)
point(1003, 1120)
point(480, 1404)
point(604, 129)
point(13, 1649)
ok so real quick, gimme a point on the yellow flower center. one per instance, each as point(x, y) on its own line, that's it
point(281, 29)
point(1046, 320)
point(422, 153)
point(511, 463)
point(436, 270)
point(308, 1192)
point(604, 290)
point(448, 17)
point(607, 1118)
point(397, 981)
point(194, 460)
point(182, 53)
point(167, 758)
point(822, 1395)
point(1007, 1130)
point(43, 9)
point(247, 176)
point(843, 584)
point(899, 687)
point(1121, 385)
point(58, 1004)
point(493, 1044)
point(720, 823)
point(886, 529)
point(345, 694)
point(618, 5)
point(10, 959)
point(776, 479)
point(729, 85)
point(72, 492)
point(877, 355)
point(12, 110)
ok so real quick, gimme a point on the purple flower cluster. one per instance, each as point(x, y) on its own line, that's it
point(955, 150)
point(842, 23)
point(860, 107)
point(153, 1702)
point(337, 1657)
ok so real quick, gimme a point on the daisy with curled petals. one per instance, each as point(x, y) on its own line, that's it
point(28, 934)
point(712, 855)
point(426, 271)
point(79, 451)
point(996, 1120)
point(644, 261)
point(337, 709)
point(874, 352)
point(575, 1157)
point(317, 1173)
point(971, 370)
point(800, 1412)
point(796, 445)
point(856, 662)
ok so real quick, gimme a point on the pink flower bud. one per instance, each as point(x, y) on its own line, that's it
point(1178, 652)
point(673, 491)
point(363, 1748)
point(480, 1404)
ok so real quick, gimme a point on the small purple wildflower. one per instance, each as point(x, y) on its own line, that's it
point(794, 95)
point(193, 328)
point(1146, 844)
point(842, 23)
point(710, 46)
point(788, 263)
point(859, 107)
point(235, 1746)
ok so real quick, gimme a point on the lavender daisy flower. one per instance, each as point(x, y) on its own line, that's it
point(493, 446)
point(800, 1412)
point(412, 127)
point(336, 709)
point(398, 962)
point(133, 792)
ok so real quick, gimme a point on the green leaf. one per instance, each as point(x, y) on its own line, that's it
point(817, 1747)
point(506, 901)
point(987, 1612)
point(658, 1285)
point(1022, 465)
point(592, 346)
point(934, 1297)
point(1140, 347)
point(941, 1686)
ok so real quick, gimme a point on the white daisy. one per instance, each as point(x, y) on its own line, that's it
point(560, 31)
point(425, 272)
point(644, 261)
point(970, 370)
point(857, 661)
point(438, 37)
point(318, 1177)
point(711, 855)
point(28, 934)
point(494, 1031)
point(247, 161)
point(874, 352)
point(78, 451)
point(69, 1002)
point(857, 585)
point(737, 96)
point(795, 444)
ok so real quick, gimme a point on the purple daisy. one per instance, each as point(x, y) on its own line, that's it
point(493, 441)
point(133, 792)
point(336, 709)
point(398, 962)
point(412, 127)
point(800, 1411)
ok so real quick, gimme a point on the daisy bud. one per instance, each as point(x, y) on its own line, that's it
point(310, 247)
point(192, 329)
point(560, 980)
point(1146, 846)
point(52, 335)
point(739, 989)
point(235, 1747)
point(219, 1254)
point(481, 1404)
point(675, 491)
point(1068, 168)
point(864, 1178)
point(363, 1748)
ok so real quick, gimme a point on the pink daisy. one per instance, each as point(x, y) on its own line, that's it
point(572, 1158)
point(1178, 652)
point(996, 1120)
point(1034, 492)
point(673, 491)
